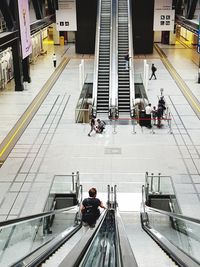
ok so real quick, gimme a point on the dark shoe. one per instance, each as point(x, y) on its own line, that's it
point(88, 134)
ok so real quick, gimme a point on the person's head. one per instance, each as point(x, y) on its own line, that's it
point(152, 64)
point(150, 104)
point(92, 192)
point(98, 120)
point(154, 107)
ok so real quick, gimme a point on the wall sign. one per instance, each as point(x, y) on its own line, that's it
point(66, 15)
point(163, 15)
point(24, 21)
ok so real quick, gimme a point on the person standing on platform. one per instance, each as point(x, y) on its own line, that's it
point(92, 125)
point(148, 111)
point(153, 70)
point(90, 208)
point(54, 60)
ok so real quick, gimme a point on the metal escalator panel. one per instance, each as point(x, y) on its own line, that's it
point(123, 49)
point(177, 234)
point(24, 236)
point(103, 77)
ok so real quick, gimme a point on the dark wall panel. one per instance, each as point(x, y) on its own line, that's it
point(86, 26)
point(143, 11)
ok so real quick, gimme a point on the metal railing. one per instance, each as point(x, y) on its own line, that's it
point(62, 184)
point(32, 238)
point(177, 234)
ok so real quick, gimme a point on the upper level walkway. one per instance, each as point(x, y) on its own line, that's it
point(53, 144)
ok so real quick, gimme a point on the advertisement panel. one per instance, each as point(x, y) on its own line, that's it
point(66, 16)
point(24, 22)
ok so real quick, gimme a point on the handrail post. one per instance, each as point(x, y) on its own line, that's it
point(72, 182)
point(152, 182)
point(159, 181)
point(115, 196)
point(114, 131)
point(170, 123)
point(108, 201)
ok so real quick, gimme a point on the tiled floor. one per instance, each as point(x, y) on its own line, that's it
point(54, 145)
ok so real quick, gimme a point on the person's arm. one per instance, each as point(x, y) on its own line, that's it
point(102, 206)
point(82, 208)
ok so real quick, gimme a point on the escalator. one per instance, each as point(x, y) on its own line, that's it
point(28, 242)
point(103, 76)
point(123, 49)
point(176, 234)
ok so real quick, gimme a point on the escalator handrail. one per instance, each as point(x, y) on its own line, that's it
point(39, 255)
point(74, 257)
point(131, 54)
point(179, 256)
point(126, 253)
point(175, 215)
point(96, 59)
point(113, 57)
point(145, 208)
point(34, 216)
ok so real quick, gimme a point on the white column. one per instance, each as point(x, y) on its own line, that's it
point(144, 72)
point(146, 76)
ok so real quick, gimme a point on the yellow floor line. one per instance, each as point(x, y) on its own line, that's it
point(33, 106)
point(182, 85)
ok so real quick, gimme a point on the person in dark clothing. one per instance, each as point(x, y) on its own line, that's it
point(159, 115)
point(153, 70)
point(92, 125)
point(126, 57)
point(90, 208)
point(100, 126)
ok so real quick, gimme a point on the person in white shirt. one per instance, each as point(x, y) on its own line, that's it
point(148, 111)
point(54, 60)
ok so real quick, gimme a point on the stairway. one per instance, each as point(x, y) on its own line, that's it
point(104, 58)
point(123, 47)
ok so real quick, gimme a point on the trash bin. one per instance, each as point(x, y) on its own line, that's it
point(62, 40)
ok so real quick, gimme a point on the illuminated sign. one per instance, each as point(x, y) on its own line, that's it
point(24, 22)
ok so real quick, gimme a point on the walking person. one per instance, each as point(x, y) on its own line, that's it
point(153, 70)
point(90, 208)
point(92, 125)
point(54, 58)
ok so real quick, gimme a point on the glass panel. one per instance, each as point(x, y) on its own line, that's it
point(62, 184)
point(184, 235)
point(160, 184)
point(17, 241)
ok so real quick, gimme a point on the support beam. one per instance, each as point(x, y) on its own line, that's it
point(17, 64)
point(26, 70)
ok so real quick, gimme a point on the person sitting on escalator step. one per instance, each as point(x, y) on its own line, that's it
point(90, 208)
